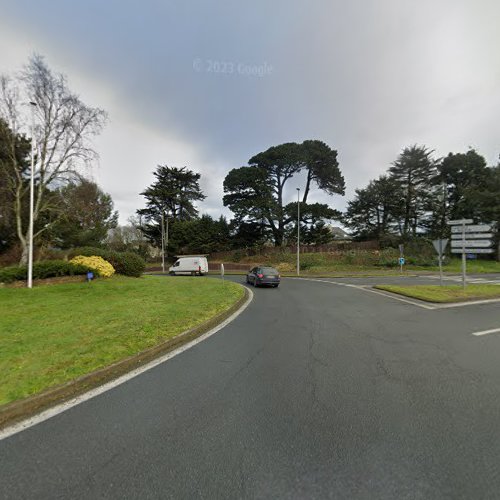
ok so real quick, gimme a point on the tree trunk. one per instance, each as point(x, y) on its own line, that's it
point(24, 255)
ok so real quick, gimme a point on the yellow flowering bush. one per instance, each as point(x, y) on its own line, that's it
point(94, 263)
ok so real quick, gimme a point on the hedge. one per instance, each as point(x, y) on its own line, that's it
point(42, 270)
point(126, 263)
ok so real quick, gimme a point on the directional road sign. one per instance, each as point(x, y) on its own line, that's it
point(471, 243)
point(456, 236)
point(473, 228)
point(473, 250)
point(460, 221)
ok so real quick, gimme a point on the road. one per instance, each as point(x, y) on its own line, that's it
point(319, 389)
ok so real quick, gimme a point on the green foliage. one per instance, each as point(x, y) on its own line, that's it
point(255, 194)
point(126, 263)
point(202, 235)
point(171, 196)
point(84, 215)
point(415, 171)
point(42, 270)
point(14, 165)
point(376, 209)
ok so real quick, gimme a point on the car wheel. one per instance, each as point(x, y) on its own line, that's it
point(171, 273)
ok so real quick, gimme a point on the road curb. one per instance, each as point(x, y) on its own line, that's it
point(16, 411)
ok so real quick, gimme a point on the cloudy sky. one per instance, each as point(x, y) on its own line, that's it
point(209, 84)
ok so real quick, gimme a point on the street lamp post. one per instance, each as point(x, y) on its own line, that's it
point(298, 231)
point(166, 243)
point(32, 198)
point(162, 241)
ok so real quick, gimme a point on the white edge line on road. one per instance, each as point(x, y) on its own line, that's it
point(52, 412)
point(433, 307)
point(468, 303)
point(401, 299)
point(486, 332)
point(371, 290)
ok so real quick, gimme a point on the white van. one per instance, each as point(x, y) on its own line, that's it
point(190, 264)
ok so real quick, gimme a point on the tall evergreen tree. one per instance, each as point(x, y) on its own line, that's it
point(83, 217)
point(256, 193)
point(415, 171)
point(376, 211)
point(173, 194)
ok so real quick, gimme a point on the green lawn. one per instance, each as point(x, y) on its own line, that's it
point(449, 293)
point(52, 334)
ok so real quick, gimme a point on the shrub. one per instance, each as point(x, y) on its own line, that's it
point(126, 263)
point(42, 270)
point(87, 252)
point(95, 263)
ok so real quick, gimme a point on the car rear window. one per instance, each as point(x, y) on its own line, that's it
point(269, 270)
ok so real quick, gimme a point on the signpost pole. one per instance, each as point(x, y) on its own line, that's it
point(440, 262)
point(464, 264)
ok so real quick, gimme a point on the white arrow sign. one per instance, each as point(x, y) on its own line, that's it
point(473, 250)
point(475, 228)
point(457, 236)
point(460, 221)
point(471, 243)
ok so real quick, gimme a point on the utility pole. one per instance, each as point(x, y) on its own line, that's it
point(298, 231)
point(32, 198)
point(162, 240)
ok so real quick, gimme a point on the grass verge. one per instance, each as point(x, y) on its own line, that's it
point(51, 335)
point(450, 293)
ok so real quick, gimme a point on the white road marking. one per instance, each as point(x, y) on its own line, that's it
point(486, 332)
point(368, 288)
point(467, 303)
point(52, 412)
point(401, 299)
point(394, 296)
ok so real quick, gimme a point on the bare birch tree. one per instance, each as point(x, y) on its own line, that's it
point(63, 130)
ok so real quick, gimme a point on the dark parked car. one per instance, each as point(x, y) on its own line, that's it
point(264, 276)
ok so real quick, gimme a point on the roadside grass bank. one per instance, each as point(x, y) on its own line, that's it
point(443, 294)
point(354, 263)
point(51, 335)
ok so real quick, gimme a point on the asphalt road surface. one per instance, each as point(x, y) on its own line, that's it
point(320, 389)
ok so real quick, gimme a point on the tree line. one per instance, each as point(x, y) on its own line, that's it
point(413, 199)
point(39, 112)
point(419, 193)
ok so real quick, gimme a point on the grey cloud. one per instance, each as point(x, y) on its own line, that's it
point(367, 77)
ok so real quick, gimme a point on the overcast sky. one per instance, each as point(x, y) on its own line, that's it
point(209, 84)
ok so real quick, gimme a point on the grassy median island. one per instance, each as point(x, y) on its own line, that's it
point(449, 293)
point(52, 334)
